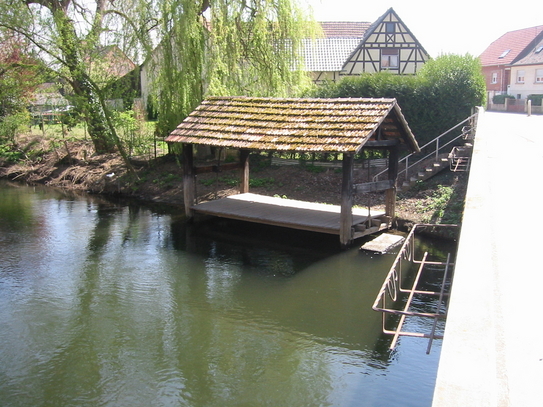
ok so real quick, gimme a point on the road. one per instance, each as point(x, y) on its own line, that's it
point(492, 351)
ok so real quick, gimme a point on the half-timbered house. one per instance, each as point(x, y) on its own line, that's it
point(349, 49)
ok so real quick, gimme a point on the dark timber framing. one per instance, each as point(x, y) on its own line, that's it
point(305, 125)
point(387, 36)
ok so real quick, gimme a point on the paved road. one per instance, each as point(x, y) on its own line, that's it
point(492, 353)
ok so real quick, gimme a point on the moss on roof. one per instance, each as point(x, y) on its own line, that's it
point(331, 125)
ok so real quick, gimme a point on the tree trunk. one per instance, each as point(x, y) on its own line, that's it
point(87, 101)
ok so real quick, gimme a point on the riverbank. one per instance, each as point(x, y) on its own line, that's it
point(72, 166)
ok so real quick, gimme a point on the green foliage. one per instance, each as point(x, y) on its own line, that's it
point(250, 49)
point(536, 99)
point(315, 169)
point(438, 97)
point(10, 125)
point(134, 133)
point(167, 180)
point(19, 73)
point(500, 99)
point(435, 208)
point(7, 153)
point(261, 182)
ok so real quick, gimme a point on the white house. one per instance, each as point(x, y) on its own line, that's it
point(527, 73)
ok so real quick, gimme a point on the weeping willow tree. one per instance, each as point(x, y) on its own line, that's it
point(220, 47)
point(227, 48)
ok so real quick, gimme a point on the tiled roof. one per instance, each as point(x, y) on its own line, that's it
point(533, 57)
point(514, 41)
point(333, 125)
point(330, 53)
point(344, 29)
point(327, 54)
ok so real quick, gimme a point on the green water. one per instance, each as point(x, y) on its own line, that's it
point(116, 304)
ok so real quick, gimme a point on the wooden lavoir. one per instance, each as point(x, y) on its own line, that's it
point(344, 126)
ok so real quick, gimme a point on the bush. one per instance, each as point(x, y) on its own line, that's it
point(536, 99)
point(441, 95)
point(500, 99)
point(10, 125)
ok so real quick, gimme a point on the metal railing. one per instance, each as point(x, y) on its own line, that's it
point(391, 297)
point(434, 150)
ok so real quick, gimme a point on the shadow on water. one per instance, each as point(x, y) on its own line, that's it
point(264, 249)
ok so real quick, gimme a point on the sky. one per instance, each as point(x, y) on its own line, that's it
point(451, 27)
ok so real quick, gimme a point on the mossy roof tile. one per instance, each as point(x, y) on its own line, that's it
point(331, 125)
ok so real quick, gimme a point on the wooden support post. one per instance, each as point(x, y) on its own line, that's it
point(188, 179)
point(390, 194)
point(244, 163)
point(346, 216)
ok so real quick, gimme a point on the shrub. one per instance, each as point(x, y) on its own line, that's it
point(536, 99)
point(500, 99)
point(10, 125)
point(441, 95)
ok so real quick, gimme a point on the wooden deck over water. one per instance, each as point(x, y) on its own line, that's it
point(289, 213)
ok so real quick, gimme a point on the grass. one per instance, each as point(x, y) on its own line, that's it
point(438, 202)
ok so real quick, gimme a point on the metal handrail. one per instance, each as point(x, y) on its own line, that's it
point(388, 299)
point(436, 151)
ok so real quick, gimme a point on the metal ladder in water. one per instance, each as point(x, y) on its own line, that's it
point(388, 301)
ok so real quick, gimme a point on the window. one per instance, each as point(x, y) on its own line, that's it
point(539, 76)
point(390, 28)
point(539, 49)
point(520, 76)
point(494, 77)
point(389, 58)
point(504, 53)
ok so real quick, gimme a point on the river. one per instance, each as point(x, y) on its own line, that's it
point(120, 304)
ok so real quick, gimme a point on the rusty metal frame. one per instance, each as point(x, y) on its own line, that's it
point(386, 301)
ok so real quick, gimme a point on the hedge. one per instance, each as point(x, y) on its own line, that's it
point(441, 95)
point(500, 99)
point(536, 99)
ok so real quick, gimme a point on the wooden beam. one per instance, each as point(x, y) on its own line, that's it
point(390, 194)
point(346, 216)
point(244, 165)
point(382, 143)
point(373, 186)
point(188, 179)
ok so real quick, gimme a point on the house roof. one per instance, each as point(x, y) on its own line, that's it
point(510, 46)
point(344, 29)
point(534, 55)
point(327, 54)
point(316, 125)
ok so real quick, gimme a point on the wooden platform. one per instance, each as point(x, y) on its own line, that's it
point(289, 213)
point(382, 243)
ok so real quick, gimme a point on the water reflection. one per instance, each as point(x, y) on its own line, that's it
point(114, 304)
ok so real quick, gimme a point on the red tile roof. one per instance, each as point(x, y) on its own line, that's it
point(534, 56)
point(514, 41)
point(344, 29)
